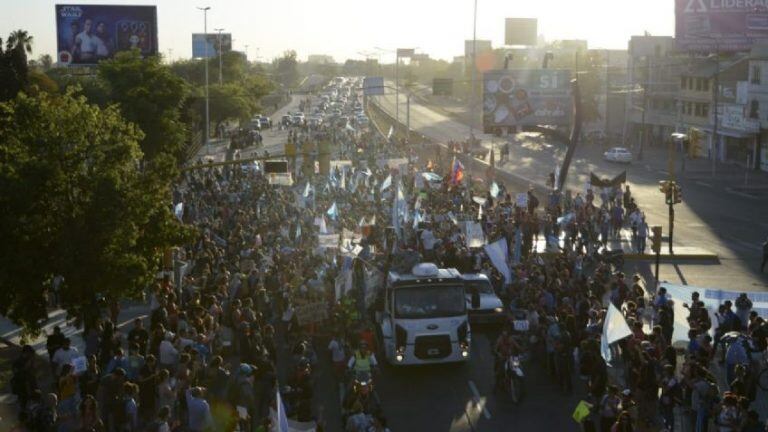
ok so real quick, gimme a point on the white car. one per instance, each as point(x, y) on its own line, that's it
point(483, 305)
point(618, 154)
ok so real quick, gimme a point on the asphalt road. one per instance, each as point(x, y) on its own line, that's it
point(711, 216)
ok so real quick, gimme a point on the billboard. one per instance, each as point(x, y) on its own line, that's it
point(720, 25)
point(210, 40)
point(89, 33)
point(373, 86)
point(521, 31)
point(405, 52)
point(483, 46)
point(526, 97)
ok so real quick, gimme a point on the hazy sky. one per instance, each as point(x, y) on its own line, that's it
point(342, 28)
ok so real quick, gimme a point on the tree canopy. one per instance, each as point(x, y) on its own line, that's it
point(77, 204)
point(150, 96)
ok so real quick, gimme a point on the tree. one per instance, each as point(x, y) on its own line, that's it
point(76, 204)
point(287, 69)
point(150, 96)
point(14, 70)
point(228, 101)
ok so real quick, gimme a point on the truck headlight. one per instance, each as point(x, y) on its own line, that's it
point(498, 310)
point(464, 347)
point(399, 354)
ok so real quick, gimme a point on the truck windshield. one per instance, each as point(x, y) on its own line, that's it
point(416, 302)
point(481, 286)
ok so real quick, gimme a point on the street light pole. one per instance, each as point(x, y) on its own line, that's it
point(715, 140)
point(473, 66)
point(221, 73)
point(207, 108)
point(397, 86)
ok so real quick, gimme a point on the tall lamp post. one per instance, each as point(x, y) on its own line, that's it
point(221, 73)
point(207, 108)
point(472, 102)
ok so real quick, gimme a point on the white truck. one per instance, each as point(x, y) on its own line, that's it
point(422, 317)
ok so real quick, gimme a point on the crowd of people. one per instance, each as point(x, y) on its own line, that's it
point(236, 339)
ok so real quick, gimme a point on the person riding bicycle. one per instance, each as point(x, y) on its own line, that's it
point(363, 361)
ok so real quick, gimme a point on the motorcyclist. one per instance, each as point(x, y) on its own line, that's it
point(363, 361)
point(505, 346)
point(362, 392)
point(300, 394)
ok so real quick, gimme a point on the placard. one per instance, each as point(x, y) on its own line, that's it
point(521, 325)
point(328, 240)
point(311, 312)
point(521, 200)
point(80, 364)
point(475, 235)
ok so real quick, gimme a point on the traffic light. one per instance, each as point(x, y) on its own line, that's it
point(678, 192)
point(656, 238)
point(663, 186)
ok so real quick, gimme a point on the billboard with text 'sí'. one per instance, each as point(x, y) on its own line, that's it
point(526, 97)
point(89, 33)
point(720, 25)
point(207, 45)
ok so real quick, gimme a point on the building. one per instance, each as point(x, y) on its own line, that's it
point(320, 59)
point(653, 74)
point(737, 133)
point(752, 96)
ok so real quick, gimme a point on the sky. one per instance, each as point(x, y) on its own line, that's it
point(355, 28)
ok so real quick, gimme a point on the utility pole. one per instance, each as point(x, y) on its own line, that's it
point(716, 89)
point(221, 73)
point(246, 53)
point(474, 74)
point(397, 86)
point(408, 118)
point(207, 104)
point(607, 96)
point(645, 105)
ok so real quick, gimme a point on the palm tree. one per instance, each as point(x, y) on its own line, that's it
point(20, 40)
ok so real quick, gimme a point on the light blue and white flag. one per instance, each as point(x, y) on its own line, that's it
point(333, 212)
point(306, 191)
point(495, 190)
point(282, 418)
point(386, 183)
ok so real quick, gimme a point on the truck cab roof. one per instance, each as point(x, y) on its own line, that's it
point(425, 272)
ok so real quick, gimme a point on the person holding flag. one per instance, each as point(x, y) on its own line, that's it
point(457, 172)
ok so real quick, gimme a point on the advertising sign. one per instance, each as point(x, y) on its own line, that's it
point(720, 25)
point(210, 40)
point(373, 86)
point(733, 116)
point(521, 31)
point(405, 52)
point(526, 97)
point(89, 33)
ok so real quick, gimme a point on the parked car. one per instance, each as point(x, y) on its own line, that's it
point(618, 154)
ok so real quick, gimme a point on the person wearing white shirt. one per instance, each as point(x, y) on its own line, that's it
point(168, 354)
point(65, 355)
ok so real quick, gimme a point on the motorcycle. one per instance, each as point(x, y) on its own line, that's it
point(513, 378)
point(361, 389)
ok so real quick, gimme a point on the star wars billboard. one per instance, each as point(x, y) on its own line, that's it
point(87, 34)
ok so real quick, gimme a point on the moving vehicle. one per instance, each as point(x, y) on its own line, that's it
point(618, 154)
point(266, 123)
point(484, 306)
point(512, 378)
point(422, 317)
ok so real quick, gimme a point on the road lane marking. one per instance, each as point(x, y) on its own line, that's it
point(479, 401)
point(701, 183)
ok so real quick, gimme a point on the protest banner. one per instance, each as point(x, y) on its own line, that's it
point(281, 179)
point(309, 313)
point(328, 240)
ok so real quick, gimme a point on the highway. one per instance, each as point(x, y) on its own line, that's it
point(713, 216)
